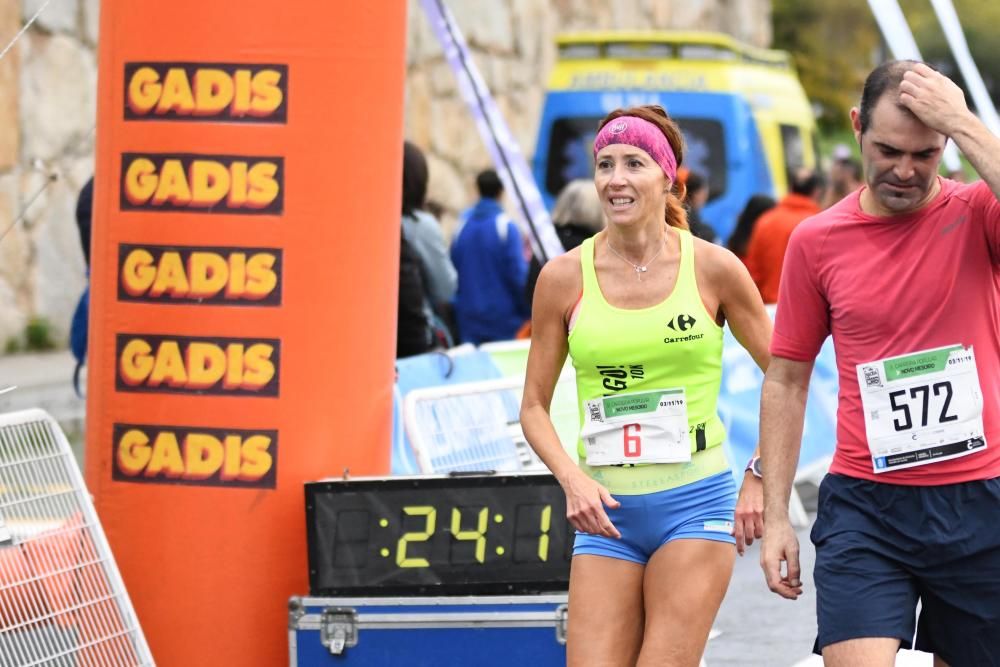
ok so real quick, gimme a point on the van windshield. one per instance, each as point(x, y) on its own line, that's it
point(570, 151)
point(792, 143)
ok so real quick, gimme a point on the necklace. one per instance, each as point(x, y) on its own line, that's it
point(639, 268)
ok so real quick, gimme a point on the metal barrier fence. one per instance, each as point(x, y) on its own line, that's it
point(62, 599)
point(475, 426)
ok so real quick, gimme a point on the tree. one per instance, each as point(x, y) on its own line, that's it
point(833, 45)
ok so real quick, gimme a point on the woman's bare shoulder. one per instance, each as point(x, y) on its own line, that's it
point(561, 278)
point(565, 267)
point(715, 261)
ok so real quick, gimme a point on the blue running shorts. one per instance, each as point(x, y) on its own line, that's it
point(702, 510)
point(881, 547)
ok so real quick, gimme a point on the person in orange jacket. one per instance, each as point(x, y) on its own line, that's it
point(766, 250)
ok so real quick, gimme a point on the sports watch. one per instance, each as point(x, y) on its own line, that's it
point(754, 466)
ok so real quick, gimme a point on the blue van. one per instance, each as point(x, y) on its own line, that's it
point(745, 118)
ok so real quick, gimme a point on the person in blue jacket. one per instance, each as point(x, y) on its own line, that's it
point(488, 254)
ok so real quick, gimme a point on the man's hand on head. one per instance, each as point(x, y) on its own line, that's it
point(934, 98)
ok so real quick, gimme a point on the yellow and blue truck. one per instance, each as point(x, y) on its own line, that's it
point(745, 117)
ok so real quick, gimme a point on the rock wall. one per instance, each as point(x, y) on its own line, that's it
point(513, 45)
point(47, 115)
point(48, 81)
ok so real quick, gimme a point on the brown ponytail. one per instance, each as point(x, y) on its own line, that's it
point(675, 213)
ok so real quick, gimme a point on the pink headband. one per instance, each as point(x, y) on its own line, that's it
point(640, 133)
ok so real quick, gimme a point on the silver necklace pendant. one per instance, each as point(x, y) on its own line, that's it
point(639, 268)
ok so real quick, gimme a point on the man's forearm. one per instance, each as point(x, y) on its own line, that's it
point(982, 148)
point(782, 410)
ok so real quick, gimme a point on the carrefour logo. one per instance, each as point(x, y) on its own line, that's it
point(681, 323)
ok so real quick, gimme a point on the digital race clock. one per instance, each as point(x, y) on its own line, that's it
point(426, 535)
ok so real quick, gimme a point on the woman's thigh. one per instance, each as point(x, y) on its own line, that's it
point(605, 612)
point(683, 587)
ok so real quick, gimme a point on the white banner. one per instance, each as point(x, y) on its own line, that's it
point(948, 18)
point(510, 163)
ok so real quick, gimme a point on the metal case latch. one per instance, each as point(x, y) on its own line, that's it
point(562, 620)
point(338, 629)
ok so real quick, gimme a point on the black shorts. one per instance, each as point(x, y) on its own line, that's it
point(882, 547)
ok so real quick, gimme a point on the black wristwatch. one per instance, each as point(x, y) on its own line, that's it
point(754, 466)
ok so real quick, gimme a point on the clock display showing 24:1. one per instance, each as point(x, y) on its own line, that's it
point(472, 529)
point(446, 535)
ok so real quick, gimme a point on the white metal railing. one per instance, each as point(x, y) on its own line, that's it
point(62, 599)
point(476, 426)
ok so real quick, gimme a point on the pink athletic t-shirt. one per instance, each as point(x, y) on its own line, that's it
point(889, 286)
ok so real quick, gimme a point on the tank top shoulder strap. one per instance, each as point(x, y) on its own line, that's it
point(590, 286)
point(685, 274)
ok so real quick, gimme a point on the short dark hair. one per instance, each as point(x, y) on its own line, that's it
point(805, 181)
point(756, 207)
point(414, 178)
point(883, 79)
point(489, 184)
point(695, 182)
point(84, 216)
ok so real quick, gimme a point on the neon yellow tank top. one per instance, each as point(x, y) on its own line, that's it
point(675, 343)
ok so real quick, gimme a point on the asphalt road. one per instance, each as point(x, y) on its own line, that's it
point(760, 629)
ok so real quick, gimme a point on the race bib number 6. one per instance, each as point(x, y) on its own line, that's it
point(922, 407)
point(641, 427)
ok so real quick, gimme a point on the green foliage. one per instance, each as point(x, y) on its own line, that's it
point(38, 335)
point(834, 45)
point(829, 139)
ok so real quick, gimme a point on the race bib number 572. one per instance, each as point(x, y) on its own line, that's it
point(921, 408)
